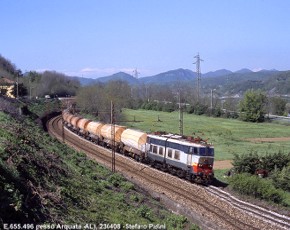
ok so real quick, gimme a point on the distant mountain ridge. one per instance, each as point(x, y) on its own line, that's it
point(169, 77)
point(224, 81)
point(118, 76)
point(178, 75)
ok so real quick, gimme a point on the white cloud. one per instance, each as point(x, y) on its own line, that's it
point(257, 69)
point(90, 72)
point(102, 72)
point(42, 70)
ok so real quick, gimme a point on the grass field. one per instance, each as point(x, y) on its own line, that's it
point(227, 135)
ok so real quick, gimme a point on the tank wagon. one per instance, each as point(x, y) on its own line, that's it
point(133, 144)
point(67, 117)
point(74, 122)
point(82, 126)
point(186, 157)
point(93, 131)
point(108, 138)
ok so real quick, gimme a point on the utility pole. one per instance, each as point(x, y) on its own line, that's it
point(211, 99)
point(180, 116)
point(198, 60)
point(62, 122)
point(113, 137)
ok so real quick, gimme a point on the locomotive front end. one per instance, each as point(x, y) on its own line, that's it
point(203, 159)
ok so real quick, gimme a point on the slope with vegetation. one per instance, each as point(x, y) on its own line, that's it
point(43, 181)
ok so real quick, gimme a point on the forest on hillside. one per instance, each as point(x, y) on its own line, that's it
point(211, 101)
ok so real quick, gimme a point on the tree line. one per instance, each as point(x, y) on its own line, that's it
point(253, 107)
point(96, 98)
point(50, 83)
point(34, 84)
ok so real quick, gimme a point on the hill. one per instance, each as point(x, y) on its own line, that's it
point(217, 73)
point(118, 76)
point(225, 81)
point(179, 75)
point(244, 70)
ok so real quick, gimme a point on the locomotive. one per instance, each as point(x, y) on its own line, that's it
point(186, 157)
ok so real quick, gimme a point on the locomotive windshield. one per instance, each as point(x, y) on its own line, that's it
point(203, 151)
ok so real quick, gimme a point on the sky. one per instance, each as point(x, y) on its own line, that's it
point(95, 38)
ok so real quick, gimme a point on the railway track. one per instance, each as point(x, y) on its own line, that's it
point(208, 203)
point(259, 212)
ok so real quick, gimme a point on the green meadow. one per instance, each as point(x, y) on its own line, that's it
point(227, 135)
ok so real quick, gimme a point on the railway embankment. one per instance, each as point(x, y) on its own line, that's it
point(213, 206)
point(44, 181)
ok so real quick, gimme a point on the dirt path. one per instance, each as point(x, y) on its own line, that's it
point(226, 164)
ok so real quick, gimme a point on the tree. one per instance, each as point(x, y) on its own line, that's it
point(97, 99)
point(7, 66)
point(252, 107)
point(55, 83)
point(278, 106)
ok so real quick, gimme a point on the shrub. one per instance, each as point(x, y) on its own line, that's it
point(247, 184)
point(116, 179)
point(246, 163)
point(281, 178)
point(250, 163)
point(275, 160)
point(177, 221)
point(144, 211)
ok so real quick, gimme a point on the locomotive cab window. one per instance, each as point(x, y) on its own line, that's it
point(195, 150)
point(169, 153)
point(155, 149)
point(207, 151)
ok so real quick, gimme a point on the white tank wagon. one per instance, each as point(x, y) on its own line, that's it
point(82, 124)
point(133, 143)
point(94, 130)
point(67, 118)
point(74, 121)
point(106, 133)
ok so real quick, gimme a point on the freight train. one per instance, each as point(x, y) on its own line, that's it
point(186, 157)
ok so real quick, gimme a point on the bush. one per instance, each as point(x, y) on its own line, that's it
point(250, 163)
point(169, 107)
point(246, 163)
point(275, 160)
point(144, 211)
point(200, 109)
point(281, 178)
point(190, 109)
point(177, 221)
point(116, 179)
point(247, 184)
